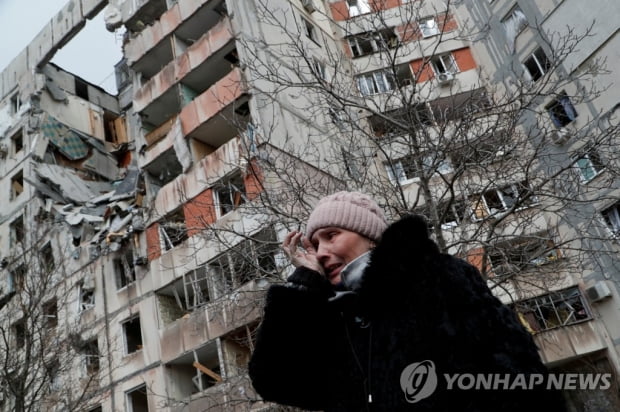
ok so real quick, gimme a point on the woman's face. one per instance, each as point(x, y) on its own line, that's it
point(336, 247)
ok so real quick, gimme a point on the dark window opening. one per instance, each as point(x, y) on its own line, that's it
point(233, 57)
point(47, 258)
point(17, 141)
point(18, 278)
point(561, 111)
point(133, 335)
point(16, 103)
point(90, 351)
point(50, 314)
point(137, 399)
point(81, 88)
point(311, 31)
point(243, 110)
point(538, 64)
point(19, 333)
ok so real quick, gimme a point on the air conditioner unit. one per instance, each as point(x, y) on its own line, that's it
point(560, 136)
point(308, 5)
point(599, 291)
point(445, 78)
point(4, 150)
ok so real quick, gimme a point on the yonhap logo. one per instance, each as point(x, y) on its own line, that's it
point(418, 381)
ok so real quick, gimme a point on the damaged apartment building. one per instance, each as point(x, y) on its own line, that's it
point(146, 225)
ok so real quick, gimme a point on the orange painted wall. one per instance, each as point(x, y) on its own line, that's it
point(421, 71)
point(464, 59)
point(475, 257)
point(253, 181)
point(339, 10)
point(199, 212)
point(153, 250)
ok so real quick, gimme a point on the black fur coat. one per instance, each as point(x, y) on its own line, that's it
point(318, 352)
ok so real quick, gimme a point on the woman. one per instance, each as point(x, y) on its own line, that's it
point(376, 318)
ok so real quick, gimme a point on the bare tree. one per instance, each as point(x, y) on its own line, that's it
point(49, 358)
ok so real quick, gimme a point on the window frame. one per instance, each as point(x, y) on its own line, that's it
point(550, 303)
point(481, 199)
point(384, 83)
point(359, 7)
point(521, 247)
point(139, 346)
point(226, 186)
point(423, 25)
point(611, 217)
point(595, 165)
point(543, 65)
point(561, 110)
point(450, 68)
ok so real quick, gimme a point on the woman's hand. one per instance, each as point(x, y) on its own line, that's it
point(301, 257)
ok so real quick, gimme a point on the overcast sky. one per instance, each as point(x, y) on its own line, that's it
point(91, 54)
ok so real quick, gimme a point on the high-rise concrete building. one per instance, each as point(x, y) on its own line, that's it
point(140, 230)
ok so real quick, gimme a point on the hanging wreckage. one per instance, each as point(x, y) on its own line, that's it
point(83, 186)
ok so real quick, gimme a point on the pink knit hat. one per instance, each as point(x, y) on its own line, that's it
point(353, 211)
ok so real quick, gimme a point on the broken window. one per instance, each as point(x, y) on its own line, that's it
point(124, 269)
point(132, 334)
point(229, 194)
point(611, 215)
point(537, 64)
point(184, 295)
point(482, 151)
point(510, 258)
point(50, 314)
point(46, 258)
point(514, 22)
point(173, 230)
point(444, 63)
point(197, 370)
point(460, 105)
point(501, 199)
point(371, 42)
point(17, 231)
point(17, 185)
point(17, 141)
point(554, 310)
point(357, 7)
point(86, 298)
point(589, 165)
point(561, 110)
point(319, 69)
point(250, 259)
point(137, 400)
point(237, 347)
point(406, 168)
point(429, 27)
